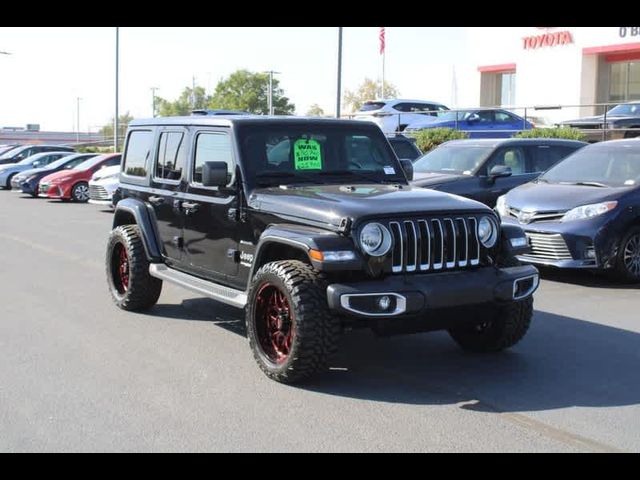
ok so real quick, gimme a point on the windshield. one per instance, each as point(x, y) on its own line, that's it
point(7, 149)
point(11, 153)
point(611, 166)
point(277, 155)
point(457, 159)
point(87, 164)
point(449, 116)
point(30, 160)
point(629, 109)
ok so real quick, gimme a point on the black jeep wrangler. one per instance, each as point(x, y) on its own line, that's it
point(311, 226)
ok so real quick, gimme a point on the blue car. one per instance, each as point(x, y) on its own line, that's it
point(28, 180)
point(584, 212)
point(478, 123)
point(7, 172)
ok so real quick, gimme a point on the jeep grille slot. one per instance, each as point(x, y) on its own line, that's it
point(434, 244)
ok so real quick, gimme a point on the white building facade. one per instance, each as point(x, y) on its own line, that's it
point(552, 66)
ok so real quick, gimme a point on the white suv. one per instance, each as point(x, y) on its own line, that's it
point(394, 115)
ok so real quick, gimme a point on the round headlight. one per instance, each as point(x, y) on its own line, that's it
point(487, 232)
point(375, 239)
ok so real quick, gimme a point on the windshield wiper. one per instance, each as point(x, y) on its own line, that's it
point(361, 175)
point(587, 184)
point(541, 180)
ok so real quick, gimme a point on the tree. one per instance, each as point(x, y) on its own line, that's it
point(369, 90)
point(315, 111)
point(249, 91)
point(123, 123)
point(184, 104)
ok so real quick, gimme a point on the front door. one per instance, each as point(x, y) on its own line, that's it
point(211, 228)
point(168, 182)
point(512, 157)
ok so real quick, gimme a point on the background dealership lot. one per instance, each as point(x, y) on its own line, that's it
point(78, 374)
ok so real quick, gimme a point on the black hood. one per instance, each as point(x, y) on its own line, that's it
point(435, 178)
point(328, 204)
point(592, 120)
point(554, 197)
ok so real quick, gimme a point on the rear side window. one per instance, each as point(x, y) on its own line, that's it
point(212, 147)
point(172, 155)
point(546, 156)
point(138, 153)
point(370, 106)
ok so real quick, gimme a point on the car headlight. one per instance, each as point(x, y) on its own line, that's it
point(375, 239)
point(487, 232)
point(588, 211)
point(501, 206)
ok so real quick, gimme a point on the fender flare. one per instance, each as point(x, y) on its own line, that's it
point(144, 217)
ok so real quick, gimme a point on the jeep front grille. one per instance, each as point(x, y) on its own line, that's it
point(434, 244)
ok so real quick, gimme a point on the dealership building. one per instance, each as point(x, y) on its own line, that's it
point(552, 66)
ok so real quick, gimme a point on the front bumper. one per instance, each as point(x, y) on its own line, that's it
point(412, 295)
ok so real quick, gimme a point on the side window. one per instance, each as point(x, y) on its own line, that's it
point(138, 153)
point(485, 116)
point(24, 154)
point(212, 147)
point(172, 155)
point(402, 107)
point(545, 156)
point(404, 150)
point(502, 117)
point(512, 157)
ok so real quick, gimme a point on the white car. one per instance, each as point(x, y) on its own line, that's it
point(394, 115)
point(102, 185)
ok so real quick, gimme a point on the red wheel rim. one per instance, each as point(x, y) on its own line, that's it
point(274, 323)
point(120, 268)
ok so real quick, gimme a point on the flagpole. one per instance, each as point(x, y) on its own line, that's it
point(383, 55)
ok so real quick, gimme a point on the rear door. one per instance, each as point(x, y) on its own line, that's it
point(168, 182)
point(507, 125)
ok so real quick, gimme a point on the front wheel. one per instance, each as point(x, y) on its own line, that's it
point(80, 192)
point(500, 330)
point(130, 284)
point(290, 329)
point(628, 261)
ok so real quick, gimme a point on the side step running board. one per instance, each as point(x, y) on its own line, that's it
point(230, 296)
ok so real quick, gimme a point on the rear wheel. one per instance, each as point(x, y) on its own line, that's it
point(291, 331)
point(130, 284)
point(628, 261)
point(8, 185)
point(80, 192)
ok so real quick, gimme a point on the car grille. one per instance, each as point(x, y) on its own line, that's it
point(531, 217)
point(547, 246)
point(96, 192)
point(587, 126)
point(434, 244)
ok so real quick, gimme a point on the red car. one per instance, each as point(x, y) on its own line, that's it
point(73, 184)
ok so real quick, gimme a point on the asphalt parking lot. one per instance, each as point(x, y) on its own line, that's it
point(77, 374)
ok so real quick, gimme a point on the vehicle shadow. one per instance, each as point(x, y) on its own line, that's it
point(585, 278)
point(562, 362)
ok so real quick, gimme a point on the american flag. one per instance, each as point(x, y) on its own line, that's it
point(381, 36)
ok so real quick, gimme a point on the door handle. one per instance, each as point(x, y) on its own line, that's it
point(190, 207)
point(156, 200)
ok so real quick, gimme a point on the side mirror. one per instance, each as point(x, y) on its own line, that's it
point(407, 166)
point(499, 171)
point(474, 117)
point(215, 174)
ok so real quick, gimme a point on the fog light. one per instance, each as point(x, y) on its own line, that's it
point(384, 303)
point(590, 253)
point(519, 242)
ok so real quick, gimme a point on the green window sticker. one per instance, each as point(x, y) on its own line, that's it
point(307, 154)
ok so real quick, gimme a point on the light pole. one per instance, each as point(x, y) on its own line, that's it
point(339, 71)
point(271, 74)
point(153, 101)
point(115, 120)
point(78, 119)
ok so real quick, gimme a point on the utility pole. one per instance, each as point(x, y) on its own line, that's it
point(78, 119)
point(115, 122)
point(339, 72)
point(153, 101)
point(271, 74)
point(193, 92)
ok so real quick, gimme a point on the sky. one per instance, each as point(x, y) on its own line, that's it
point(51, 67)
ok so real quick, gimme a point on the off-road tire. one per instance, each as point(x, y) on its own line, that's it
point(621, 272)
point(315, 328)
point(503, 329)
point(143, 290)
